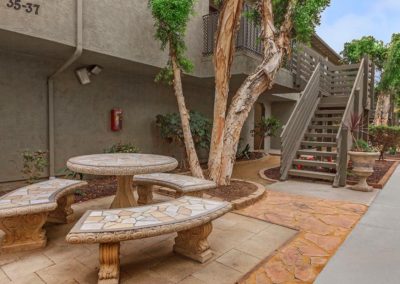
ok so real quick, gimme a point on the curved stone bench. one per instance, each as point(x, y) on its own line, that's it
point(189, 216)
point(182, 184)
point(24, 211)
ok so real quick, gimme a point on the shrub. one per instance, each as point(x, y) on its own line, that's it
point(384, 138)
point(268, 127)
point(171, 129)
point(34, 164)
point(122, 148)
point(361, 145)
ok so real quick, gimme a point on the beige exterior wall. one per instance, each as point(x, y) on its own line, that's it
point(120, 28)
point(82, 123)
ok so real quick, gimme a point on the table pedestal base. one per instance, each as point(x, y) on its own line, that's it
point(124, 197)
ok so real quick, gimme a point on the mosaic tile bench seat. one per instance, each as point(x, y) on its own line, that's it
point(24, 211)
point(182, 184)
point(189, 216)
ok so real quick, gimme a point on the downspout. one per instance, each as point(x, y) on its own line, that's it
point(50, 84)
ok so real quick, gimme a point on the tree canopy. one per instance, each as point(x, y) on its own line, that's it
point(354, 51)
point(171, 19)
point(391, 77)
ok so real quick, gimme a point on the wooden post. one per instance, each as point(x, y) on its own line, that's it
point(365, 82)
point(343, 157)
point(356, 109)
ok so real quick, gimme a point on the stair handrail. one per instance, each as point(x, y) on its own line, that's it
point(342, 137)
point(299, 120)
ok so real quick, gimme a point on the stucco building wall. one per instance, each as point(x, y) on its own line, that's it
point(82, 113)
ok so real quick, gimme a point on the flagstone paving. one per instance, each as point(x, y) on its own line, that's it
point(238, 242)
point(323, 225)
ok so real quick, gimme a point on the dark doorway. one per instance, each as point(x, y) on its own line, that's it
point(259, 113)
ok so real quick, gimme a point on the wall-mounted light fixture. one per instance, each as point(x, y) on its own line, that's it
point(84, 73)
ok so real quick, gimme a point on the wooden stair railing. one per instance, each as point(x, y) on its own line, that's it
point(299, 120)
point(355, 106)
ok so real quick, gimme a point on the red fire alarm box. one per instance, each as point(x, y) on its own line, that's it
point(116, 119)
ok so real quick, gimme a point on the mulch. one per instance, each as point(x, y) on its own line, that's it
point(236, 190)
point(252, 156)
point(380, 170)
point(106, 186)
point(96, 188)
point(273, 173)
point(392, 157)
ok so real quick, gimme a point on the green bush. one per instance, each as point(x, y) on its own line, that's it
point(267, 127)
point(361, 145)
point(122, 148)
point(384, 138)
point(171, 129)
point(34, 164)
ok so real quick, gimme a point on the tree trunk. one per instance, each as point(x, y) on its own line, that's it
point(228, 24)
point(254, 85)
point(185, 119)
point(382, 109)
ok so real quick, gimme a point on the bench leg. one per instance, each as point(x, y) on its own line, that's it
point(145, 194)
point(64, 213)
point(23, 232)
point(109, 263)
point(193, 243)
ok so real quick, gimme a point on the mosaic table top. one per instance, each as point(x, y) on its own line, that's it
point(179, 182)
point(37, 194)
point(121, 164)
point(135, 218)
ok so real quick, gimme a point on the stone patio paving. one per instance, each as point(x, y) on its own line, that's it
point(323, 226)
point(239, 243)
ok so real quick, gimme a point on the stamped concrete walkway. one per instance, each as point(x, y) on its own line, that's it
point(371, 254)
point(239, 243)
point(322, 222)
point(323, 225)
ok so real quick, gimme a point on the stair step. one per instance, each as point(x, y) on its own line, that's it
point(332, 105)
point(318, 144)
point(335, 99)
point(330, 111)
point(328, 119)
point(327, 127)
point(312, 174)
point(316, 153)
point(320, 135)
point(311, 163)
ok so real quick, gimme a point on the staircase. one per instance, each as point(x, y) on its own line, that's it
point(315, 140)
point(316, 157)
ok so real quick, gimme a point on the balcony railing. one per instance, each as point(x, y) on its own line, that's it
point(248, 37)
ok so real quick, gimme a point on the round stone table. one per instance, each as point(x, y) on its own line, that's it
point(124, 167)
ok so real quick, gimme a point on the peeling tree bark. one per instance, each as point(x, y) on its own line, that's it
point(275, 47)
point(382, 110)
point(185, 119)
point(228, 24)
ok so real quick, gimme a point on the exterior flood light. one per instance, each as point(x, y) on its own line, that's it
point(84, 73)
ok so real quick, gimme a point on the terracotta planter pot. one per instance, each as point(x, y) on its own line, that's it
point(363, 167)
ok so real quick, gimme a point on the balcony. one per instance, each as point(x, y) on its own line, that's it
point(247, 38)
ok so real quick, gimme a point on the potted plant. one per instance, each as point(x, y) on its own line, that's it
point(362, 156)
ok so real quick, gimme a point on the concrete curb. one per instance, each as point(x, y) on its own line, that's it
point(263, 176)
point(252, 198)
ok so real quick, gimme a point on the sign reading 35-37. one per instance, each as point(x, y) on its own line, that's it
point(23, 6)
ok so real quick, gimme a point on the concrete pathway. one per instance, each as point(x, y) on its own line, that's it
point(371, 254)
point(239, 243)
point(324, 191)
point(249, 169)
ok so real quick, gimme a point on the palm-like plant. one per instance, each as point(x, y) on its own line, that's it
point(267, 127)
